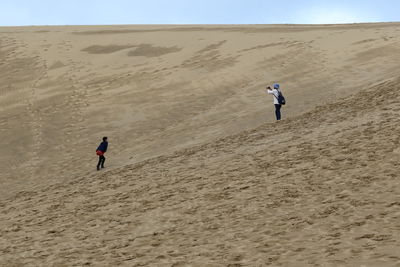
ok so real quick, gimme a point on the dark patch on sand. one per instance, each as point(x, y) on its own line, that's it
point(147, 50)
point(105, 49)
point(267, 45)
point(364, 41)
point(56, 65)
point(210, 58)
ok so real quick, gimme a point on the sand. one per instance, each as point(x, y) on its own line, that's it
point(198, 172)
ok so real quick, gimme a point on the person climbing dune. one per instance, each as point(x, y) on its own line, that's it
point(279, 100)
point(100, 152)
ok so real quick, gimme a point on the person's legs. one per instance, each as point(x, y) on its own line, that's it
point(103, 160)
point(278, 112)
point(99, 164)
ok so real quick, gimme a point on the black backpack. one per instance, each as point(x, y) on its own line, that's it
point(281, 99)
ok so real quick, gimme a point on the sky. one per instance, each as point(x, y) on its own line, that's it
point(94, 12)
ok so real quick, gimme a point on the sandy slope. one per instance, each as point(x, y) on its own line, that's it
point(156, 89)
point(321, 189)
point(318, 189)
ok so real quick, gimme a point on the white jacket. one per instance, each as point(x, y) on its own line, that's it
point(275, 95)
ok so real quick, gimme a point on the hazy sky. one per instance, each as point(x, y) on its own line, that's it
point(73, 12)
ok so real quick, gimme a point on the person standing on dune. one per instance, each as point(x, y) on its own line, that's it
point(100, 152)
point(279, 100)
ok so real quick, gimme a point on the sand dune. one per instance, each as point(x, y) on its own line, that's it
point(198, 173)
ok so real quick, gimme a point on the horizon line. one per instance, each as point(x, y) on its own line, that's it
point(202, 24)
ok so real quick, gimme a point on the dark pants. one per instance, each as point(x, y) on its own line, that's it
point(102, 159)
point(278, 112)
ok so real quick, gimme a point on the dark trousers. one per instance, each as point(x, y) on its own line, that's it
point(278, 112)
point(102, 159)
